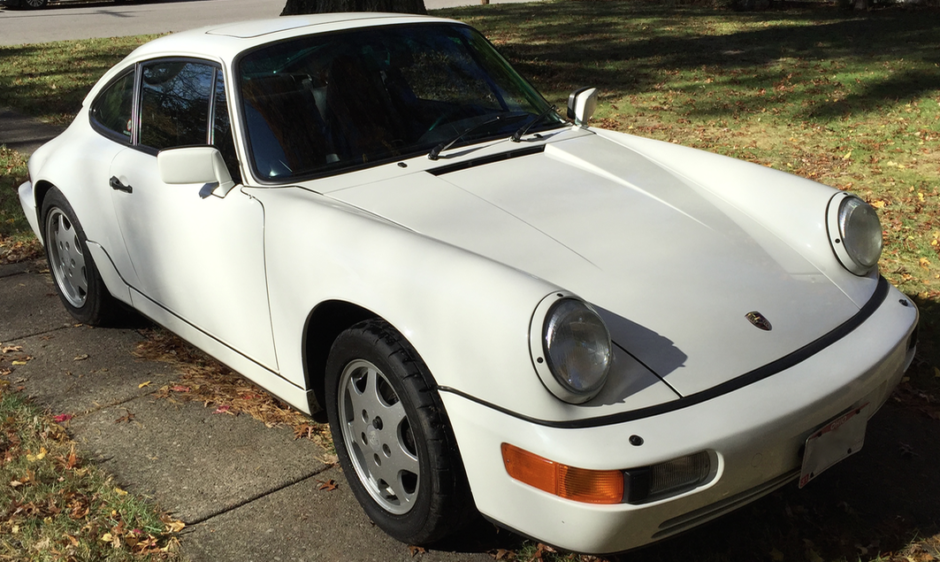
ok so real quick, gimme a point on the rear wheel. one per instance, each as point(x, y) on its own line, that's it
point(392, 435)
point(33, 4)
point(76, 278)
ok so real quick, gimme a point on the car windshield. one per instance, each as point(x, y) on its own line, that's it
point(323, 103)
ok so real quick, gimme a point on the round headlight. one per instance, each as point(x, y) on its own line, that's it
point(861, 232)
point(577, 349)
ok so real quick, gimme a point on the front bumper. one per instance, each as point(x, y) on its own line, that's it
point(753, 435)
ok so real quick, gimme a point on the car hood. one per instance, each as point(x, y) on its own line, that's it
point(673, 269)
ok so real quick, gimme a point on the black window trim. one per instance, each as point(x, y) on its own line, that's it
point(107, 132)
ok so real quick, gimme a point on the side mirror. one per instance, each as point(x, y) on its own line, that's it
point(196, 164)
point(581, 105)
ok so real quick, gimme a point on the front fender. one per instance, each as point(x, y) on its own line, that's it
point(468, 316)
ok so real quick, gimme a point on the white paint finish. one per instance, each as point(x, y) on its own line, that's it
point(673, 245)
point(28, 202)
point(80, 172)
point(109, 274)
point(778, 201)
point(269, 380)
point(195, 164)
point(671, 268)
point(467, 316)
point(735, 428)
point(201, 258)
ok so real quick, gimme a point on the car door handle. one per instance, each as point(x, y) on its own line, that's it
point(117, 185)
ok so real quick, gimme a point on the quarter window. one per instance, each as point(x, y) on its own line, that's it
point(114, 106)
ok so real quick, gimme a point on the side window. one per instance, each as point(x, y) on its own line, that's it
point(113, 107)
point(222, 129)
point(174, 104)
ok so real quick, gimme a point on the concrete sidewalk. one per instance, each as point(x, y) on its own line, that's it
point(246, 492)
point(24, 134)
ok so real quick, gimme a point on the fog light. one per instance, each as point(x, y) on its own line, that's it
point(578, 484)
point(671, 477)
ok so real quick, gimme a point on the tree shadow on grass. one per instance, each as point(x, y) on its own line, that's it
point(624, 48)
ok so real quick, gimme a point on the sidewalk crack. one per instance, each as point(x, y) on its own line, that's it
point(256, 497)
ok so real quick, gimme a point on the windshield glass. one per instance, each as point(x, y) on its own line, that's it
point(317, 104)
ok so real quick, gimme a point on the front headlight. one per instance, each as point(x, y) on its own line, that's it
point(571, 348)
point(855, 233)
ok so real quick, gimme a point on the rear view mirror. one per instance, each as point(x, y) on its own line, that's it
point(581, 105)
point(196, 164)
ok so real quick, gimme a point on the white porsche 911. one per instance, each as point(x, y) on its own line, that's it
point(591, 338)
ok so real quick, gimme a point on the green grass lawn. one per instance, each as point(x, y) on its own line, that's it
point(848, 99)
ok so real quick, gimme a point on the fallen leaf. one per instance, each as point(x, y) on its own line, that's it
point(936, 372)
point(924, 262)
point(416, 550)
point(329, 485)
point(179, 388)
point(81, 357)
point(106, 537)
point(18, 363)
point(174, 526)
point(143, 384)
point(12, 348)
point(63, 418)
point(38, 456)
point(120, 492)
point(502, 554)
point(222, 409)
point(879, 204)
point(847, 155)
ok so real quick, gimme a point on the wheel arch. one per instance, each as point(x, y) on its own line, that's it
point(324, 324)
point(40, 190)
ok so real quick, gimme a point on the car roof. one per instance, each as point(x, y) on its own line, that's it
point(227, 40)
point(224, 42)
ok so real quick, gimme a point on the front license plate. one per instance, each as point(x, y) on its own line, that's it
point(833, 442)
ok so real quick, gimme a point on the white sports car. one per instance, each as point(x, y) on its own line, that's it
point(591, 338)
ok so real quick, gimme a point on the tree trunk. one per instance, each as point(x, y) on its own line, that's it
point(294, 7)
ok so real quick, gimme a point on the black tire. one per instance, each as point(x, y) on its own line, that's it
point(77, 281)
point(422, 507)
point(33, 4)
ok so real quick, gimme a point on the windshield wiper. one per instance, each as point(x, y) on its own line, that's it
point(437, 150)
point(517, 136)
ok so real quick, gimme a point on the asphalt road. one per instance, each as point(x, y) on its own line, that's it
point(83, 21)
point(106, 19)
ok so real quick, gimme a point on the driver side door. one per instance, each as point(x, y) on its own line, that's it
point(199, 256)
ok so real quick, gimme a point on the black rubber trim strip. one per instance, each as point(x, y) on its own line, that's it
point(487, 160)
point(770, 369)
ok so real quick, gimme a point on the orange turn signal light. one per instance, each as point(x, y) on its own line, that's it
point(578, 484)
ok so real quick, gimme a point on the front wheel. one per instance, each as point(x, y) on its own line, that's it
point(392, 435)
point(76, 278)
point(34, 4)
